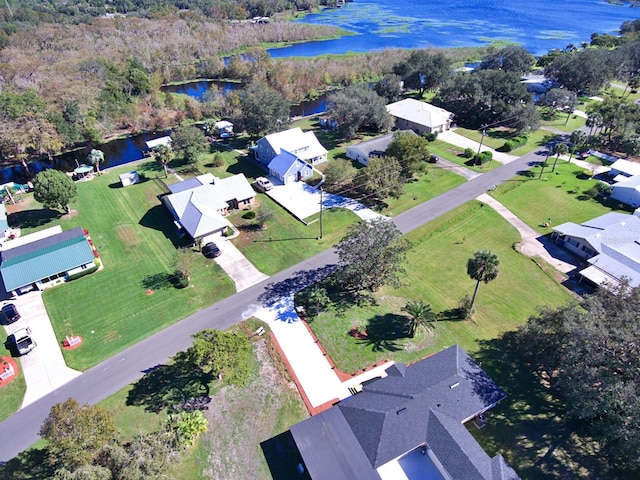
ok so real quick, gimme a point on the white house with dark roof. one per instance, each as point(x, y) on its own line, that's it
point(611, 245)
point(421, 117)
point(303, 145)
point(200, 204)
point(407, 425)
point(374, 147)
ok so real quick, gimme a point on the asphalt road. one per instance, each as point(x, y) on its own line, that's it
point(20, 431)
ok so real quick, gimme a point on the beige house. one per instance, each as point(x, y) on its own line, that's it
point(421, 117)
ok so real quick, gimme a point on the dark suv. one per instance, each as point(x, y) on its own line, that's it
point(9, 313)
point(211, 250)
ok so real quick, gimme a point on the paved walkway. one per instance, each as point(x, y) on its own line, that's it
point(452, 137)
point(44, 367)
point(533, 244)
point(315, 375)
point(458, 169)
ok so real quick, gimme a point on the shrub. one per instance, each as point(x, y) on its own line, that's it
point(250, 215)
point(227, 232)
point(218, 161)
point(484, 157)
point(430, 137)
point(468, 153)
point(513, 143)
point(82, 273)
point(180, 279)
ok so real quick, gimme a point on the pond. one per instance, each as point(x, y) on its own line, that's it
point(199, 88)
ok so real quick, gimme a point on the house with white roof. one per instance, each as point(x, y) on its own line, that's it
point(624, 169)
point(627, 191)
point(611, 245)
point(304, 145)
point(421, 117)
point(200, 204)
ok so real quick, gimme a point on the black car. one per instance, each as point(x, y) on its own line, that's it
point(211, 250)
point(10, 313)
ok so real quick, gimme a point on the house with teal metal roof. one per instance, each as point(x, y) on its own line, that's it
point(39, 263)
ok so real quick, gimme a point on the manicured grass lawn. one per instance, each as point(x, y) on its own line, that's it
point(559, 195)
point(559, 122)
point(451, 152)
point(287, 241)
point(496, 139)
point(435, 182)
point(136, 239)
point(436, 273)
point(476, 135)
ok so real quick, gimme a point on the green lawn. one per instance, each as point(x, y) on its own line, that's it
point(435, 182)
point(559, 122)
point(452, 153)
point(136, 239)
point(11, 394)
point(287, 241)
point(437, 274)
point(496, 138)
point(559, 195)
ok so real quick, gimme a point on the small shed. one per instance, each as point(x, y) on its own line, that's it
point(156, 142)
point(129, 178)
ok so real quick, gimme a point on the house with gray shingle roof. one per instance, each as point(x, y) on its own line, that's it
point(611, 245)
point(374, 147)
point(407, 425)
point(39, 260)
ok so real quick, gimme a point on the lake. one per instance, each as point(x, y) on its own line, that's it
point(538, 25)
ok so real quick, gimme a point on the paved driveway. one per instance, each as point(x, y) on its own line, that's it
point(44, 367)
point(302, 201)
point(236, 265)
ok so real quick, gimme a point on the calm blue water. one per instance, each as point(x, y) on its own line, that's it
point(198, 89)
point(538, 25)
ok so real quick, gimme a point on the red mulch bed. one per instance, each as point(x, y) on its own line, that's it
point(14, 364)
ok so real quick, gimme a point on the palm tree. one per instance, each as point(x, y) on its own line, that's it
point(483, 267)
point(96, 157)
point(594, 120)
point(578, 137)
point(163, 155)
point(419, 314)
point(318, 295)
point(559, 149)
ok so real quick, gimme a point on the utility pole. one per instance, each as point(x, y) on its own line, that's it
point(320, 237)
point(484, 131)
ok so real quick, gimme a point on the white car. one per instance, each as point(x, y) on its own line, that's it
point(21, 341)
point(263, 184)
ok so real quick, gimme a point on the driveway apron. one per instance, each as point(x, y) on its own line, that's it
point(236, 265)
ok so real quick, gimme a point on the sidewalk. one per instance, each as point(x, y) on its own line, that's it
point(452, 137)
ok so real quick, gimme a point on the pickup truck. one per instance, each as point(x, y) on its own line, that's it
point(21, 340)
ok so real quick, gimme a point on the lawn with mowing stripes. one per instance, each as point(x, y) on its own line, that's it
point(136, 238)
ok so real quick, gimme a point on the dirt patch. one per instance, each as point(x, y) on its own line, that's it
point(240, 419)
point(128, 235)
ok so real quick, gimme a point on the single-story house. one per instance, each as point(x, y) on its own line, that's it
point(4, 223)
point(611, 245)
point(200, 204)
point(421, 117)
point(374, 147)
point(129, 178)
point(627, 191)
point(38, 259)
point(156, 142)
point(623, 169)
point(224, 128)
point(409, 424)
point(287, 168)
point(304, 145)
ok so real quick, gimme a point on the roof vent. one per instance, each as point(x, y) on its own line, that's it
point(454, 385)
point(402, 410)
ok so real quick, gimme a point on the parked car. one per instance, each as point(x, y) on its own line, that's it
point(21, 341)
point(211, 250)
point(433, 158)
point(262, 184)
point(10, 313)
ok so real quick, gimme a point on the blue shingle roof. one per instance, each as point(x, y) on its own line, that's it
point(29, 263)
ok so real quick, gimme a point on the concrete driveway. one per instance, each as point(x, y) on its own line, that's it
point(458, 140)
point(302, 201)
point(235, 264)
point(44, 367)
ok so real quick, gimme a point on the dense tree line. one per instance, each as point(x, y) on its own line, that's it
point(591, 353)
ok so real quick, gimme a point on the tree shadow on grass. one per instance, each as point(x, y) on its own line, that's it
point(34, 218)
point(31, 464)
point(159, 218)
point(158, 281)
point(274, 292)
point(533, 410)
point(168, 386)
point(385, 332)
